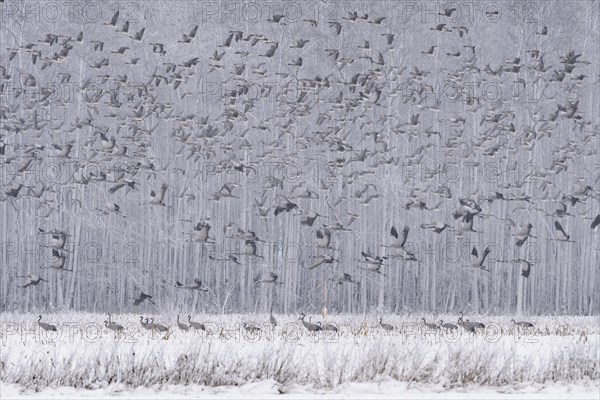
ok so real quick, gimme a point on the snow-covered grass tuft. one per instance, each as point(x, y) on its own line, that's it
point(84, 354)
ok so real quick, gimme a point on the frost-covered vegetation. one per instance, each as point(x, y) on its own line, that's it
point(84, 354)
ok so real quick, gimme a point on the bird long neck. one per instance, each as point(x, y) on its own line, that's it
point(40, 318)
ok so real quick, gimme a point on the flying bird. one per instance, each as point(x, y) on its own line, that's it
point(478, 263)
point(32, 280)
point(523, 234)
point(197, 285)
point(563, 236)
point(143, 297)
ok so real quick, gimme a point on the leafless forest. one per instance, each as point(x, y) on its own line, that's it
point(247, 157)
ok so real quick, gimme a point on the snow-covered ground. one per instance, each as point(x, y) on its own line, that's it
point(385, 389)
point(560, 358)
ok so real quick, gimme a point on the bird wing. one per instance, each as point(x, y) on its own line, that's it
point(596, 221)
point(485, 254)
point(525, 268)
point(559, 227)
point(315, 265)
point(404, 236)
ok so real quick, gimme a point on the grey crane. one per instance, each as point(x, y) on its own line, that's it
point(323, 238)
point(373, 268)
point(138, 35)
point(197, 285)
point(45, 326)
point(58, 238)
point(286, 206)
point(111, 208)
point(228, 257)
point(181, 325)
point(32, 280)
point(474, 324)
point(145, 324)
point(447, 326)
point(465, 325)
point(309, 218)
point(563, 235)
point(251, 328)
point(523, 234)
point(15, 189)
point(157, 198)
point(158, 326)
point(272, 319)
point(113, 326)
point(344, 277)
point(309, 325)
point(522, 324)
point(143, 296)
point(480, 260)
point(250, 235)
point(113, 20)
point(376, 261)
point(272, 278)
point(326, 326)
point(467, 207)
point(250, 249)
point(398, 241)
point(200, 233)
point(322, 260)
point(438, 227)
point(428, 325)
point(58, 261)
point(467, 224)
point(196, 325)
point(187, 38)
point(525, 266)
point(385, 326)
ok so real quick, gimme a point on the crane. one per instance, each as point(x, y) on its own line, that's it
point(385, 326)
point(45, 326)
point(196, 325)
point(181, 325)
point(309, 325)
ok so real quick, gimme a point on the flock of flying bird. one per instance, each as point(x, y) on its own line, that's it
point(330, 110)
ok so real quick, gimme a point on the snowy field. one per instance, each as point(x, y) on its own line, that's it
point(560, 358)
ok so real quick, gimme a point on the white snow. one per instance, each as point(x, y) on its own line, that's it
point(386, 389)
point(559, 358)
